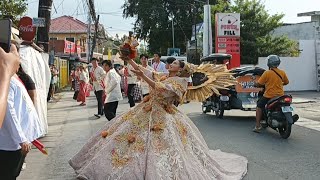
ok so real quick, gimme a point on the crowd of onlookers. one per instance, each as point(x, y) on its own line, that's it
point(111, 83)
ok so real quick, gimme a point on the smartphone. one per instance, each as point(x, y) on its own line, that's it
point(5, 34)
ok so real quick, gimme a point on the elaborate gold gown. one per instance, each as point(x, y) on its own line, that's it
point(155, 141)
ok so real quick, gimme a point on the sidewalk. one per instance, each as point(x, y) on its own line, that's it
point(68, 131)
point(307, 104)
point(305, 97)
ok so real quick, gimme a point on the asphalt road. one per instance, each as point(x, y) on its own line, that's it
point(270, 157)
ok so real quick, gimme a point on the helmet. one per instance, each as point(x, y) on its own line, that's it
point(273, 61)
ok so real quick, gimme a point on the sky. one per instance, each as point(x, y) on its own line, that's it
point(111, 13)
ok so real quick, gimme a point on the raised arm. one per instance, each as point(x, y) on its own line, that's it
point(9, 64)
point(146, 71)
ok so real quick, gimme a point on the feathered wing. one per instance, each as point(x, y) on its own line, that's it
point(217, 77)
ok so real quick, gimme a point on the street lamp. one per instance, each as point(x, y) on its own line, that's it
point(171, 19)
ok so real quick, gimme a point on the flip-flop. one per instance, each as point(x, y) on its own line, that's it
point(257, 129)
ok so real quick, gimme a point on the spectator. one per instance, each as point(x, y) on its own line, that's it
point(112, 90)
point(159, 66)
point(84, 81)
point(28, 83)
point(132, 82)
point(97, 76)
point(53, 83)
point(9, 63)
point(31, 89)
point(76, 82)
point(72, 80)
point(21, 124)
point(144, 84)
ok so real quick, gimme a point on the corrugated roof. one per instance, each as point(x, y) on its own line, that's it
point(67, 24)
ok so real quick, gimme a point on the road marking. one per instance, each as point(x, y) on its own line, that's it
point(308, 123)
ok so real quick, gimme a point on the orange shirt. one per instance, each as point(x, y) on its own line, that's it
point(273, 83)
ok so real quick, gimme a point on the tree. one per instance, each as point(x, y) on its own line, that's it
point(256, 28)
point(153, 21)
point(13, 9)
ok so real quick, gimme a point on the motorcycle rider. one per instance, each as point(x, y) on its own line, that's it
point(273, 81)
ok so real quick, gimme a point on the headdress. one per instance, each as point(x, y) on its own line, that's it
point(208, 79)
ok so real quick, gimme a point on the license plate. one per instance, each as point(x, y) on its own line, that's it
point(286, 109)
point(224, 98)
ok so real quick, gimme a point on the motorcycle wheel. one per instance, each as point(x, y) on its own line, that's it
point(219, 111)
point(205, 109)
point(286, 130)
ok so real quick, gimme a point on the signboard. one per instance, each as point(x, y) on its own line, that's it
point(26, 30)
point(228, 45)
point(39, 22)
point(173, 52)
point(246, 92)
point(199, 29)
point(228, 36)
point(69, 47)
point(228, 24)
point(246, 84)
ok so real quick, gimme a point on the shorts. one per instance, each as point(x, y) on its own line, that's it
point(262, 102)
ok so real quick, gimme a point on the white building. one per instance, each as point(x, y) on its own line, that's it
point(303, 71)
point(300, 31)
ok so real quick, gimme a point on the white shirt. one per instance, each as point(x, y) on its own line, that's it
point(159, 67)
point(21, 123)
point(132, 78)
point(99, 75)
point(144, 85)
point(84, 76)
point(113, 88)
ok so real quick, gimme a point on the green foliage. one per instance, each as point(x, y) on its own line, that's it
point(154, 25)
point(13, 8)
point(256, 26)
point(281, 45)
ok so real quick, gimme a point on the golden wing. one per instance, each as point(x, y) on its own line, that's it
point(211, 79)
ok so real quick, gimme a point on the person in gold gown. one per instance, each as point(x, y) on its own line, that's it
point(154, 140)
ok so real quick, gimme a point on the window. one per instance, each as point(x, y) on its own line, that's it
point(53, 38)
point(70, 39)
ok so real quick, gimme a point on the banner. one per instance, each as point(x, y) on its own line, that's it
point(69, 47)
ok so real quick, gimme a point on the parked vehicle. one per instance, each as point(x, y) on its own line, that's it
point(278, 115)
point(243, 96)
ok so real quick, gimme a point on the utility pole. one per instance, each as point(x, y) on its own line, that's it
point(172, 32)
point(44, 11)
point(196, 61)
point(89, 39)
point(207, 33)
point(94, 40)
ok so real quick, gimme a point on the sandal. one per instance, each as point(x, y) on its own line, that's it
point(257, 129)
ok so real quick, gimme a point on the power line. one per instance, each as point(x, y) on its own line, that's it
point(59, 6)
point(68, 19)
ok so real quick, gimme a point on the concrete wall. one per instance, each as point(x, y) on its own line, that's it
point(301, 71)
point(300, 31)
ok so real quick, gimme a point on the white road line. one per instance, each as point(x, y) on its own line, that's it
point(308, 123)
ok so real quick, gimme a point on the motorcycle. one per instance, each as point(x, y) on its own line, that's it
point(278, 115)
